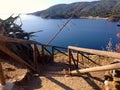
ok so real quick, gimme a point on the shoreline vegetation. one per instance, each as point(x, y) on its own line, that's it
point(91, 17)
point(112, 18)
point(102, 9)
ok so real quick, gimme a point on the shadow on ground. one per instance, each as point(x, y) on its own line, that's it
point(34, 83)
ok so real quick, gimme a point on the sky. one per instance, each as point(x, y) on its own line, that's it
point(28, 6)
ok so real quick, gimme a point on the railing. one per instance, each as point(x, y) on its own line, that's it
point(84, 54)
point(36, 53)
point(74, 61)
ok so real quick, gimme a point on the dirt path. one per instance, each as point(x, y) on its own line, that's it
point(52, 78)
point(92, 81)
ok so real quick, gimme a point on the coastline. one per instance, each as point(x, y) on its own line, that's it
point(82, 17)
point(91, 17)
point(111, 18)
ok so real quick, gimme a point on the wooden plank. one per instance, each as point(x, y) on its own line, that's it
point(96, 52)
point(54, 46)
point(70, 58)
point(90, 59)
point(82, 60)
point(96, 69)
point(52, 54)
point(47, 51)
point(43, 54)
point(2, 78)
point(6, 39)
point(77, 58)
point(60, 47)
point(15, 57)
point(74, 61)
point(35, 55)
point(60, 51)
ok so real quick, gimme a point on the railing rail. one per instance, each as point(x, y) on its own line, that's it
point(85, 53)
point(96, 52)
point(14, 40)
point(36, 52)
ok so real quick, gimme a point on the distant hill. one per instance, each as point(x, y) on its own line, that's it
point(102, 8)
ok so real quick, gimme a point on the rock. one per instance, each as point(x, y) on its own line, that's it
point(114, 18)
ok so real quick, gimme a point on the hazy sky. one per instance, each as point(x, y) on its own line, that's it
point(26, 6)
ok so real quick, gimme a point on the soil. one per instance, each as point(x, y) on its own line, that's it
point(53, 77)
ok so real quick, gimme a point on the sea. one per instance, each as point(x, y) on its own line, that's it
point(84, 33)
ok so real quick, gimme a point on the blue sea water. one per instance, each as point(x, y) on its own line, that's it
point(85, 33)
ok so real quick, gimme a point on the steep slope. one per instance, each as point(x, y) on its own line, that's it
point(103, 8)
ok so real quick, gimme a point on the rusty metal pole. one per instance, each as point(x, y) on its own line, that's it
point(2, 78)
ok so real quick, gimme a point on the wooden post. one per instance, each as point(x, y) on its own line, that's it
point(77, 58)
point(69, 55)
point(82, 60)
point(99, 59)
point(74, 61)
point(52, 54)
point(43, 54)
point(2, 78)
point(35, 56)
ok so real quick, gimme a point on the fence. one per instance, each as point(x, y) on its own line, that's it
point(83, 52)
point(36, 53)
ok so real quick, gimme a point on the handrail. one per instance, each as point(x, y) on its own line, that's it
point(43, 46)
point(15, 40)
point(114, 55)
point(36, 53)
point(96, 52)
point(96, 69)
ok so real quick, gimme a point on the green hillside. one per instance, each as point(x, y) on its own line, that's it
point(102, 8)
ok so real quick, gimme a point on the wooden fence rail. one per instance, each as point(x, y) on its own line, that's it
point(96, 52)
point(36, 53)
point(96, 69)
point(44, 49)
point(81, 51)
